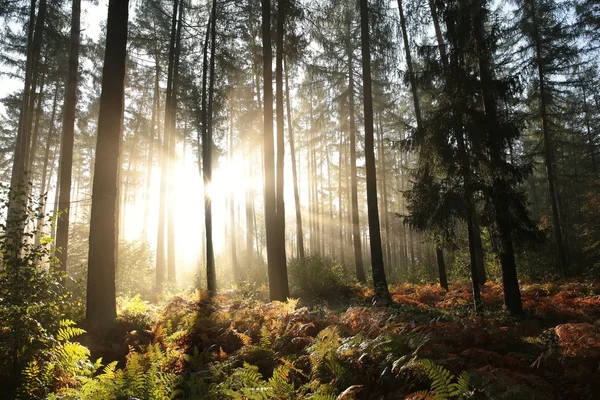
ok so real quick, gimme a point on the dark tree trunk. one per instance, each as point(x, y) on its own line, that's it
point(101, 308)
point(21, 155)
point(358, 261)
point(275, 261)
point(441, 268)
point(548, 149)
point(45, 180)
point(154, 128)
point(379, 279)
point(36, 129)
point(161, 249)
point(171, 267)
point(501, 199)
point(68, 137)
point(207, 143)
point(233, 228)
point(281, 267)
point(299, 234)
point(340, 203)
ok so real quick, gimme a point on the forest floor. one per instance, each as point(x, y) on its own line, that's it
point(239, 346)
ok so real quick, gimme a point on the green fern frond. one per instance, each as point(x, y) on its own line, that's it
point(265, 338)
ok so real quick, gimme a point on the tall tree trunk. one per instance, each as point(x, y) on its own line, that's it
point(274, 260)
point(501, 199)
point(379, 279)
point(21, 155)
point(45, 181)
point(68, 137)
point(413, 83)
point(36, 128)
point(233, 228)
point(207, 143)
point(441, 268)
point(299, 234)
point(438, 33)
point(154, 128)
point(340, 203)
point(282, 280)
point(35, 76)
point(358, 261)
point(161, 249)
point(548, 149)
point(171, 269)
point(101, 308)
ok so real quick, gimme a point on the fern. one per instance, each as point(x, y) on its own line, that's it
point(265, 338)
point(444, 385)
point(280, 383)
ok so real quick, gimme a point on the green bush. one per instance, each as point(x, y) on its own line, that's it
point(32, 299)
point(316, 276)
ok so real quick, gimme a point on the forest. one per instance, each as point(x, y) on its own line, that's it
point(294, 199)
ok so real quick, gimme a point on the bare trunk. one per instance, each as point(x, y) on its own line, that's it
point(101, 309)
point(358, 261)
point(379, 279)
point(68, 137)
point(299, 234)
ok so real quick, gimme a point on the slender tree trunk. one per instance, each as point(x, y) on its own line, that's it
point(234, 262)
point(438, 33)
point(161, 249)
point(283, 291)
point(358, 261)
point(36, 128)
point(154, 128)
point(299, 234)
point(17, 181)
point(379, 279)
point(340, 203)
point(171, 266)
point(35, 76)
point(101, 295)
point(68, 137)
point(207, 143)
point(274, 259)
point(548, 149)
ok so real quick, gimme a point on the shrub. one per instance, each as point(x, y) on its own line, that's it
point(316, 276)
point(31, 296)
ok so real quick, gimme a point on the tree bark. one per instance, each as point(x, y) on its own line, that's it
point(211, 276)
point(500, 199)
point(101, 310)
point(281, 271)
point(68, 138)
point(358, 261)
point(299, 234)
point(548, 149)
point(171, 265)
point(379, 279)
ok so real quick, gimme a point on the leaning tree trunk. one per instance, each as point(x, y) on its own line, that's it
point(101, 310)
point(68, 137)
point(379, 279)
